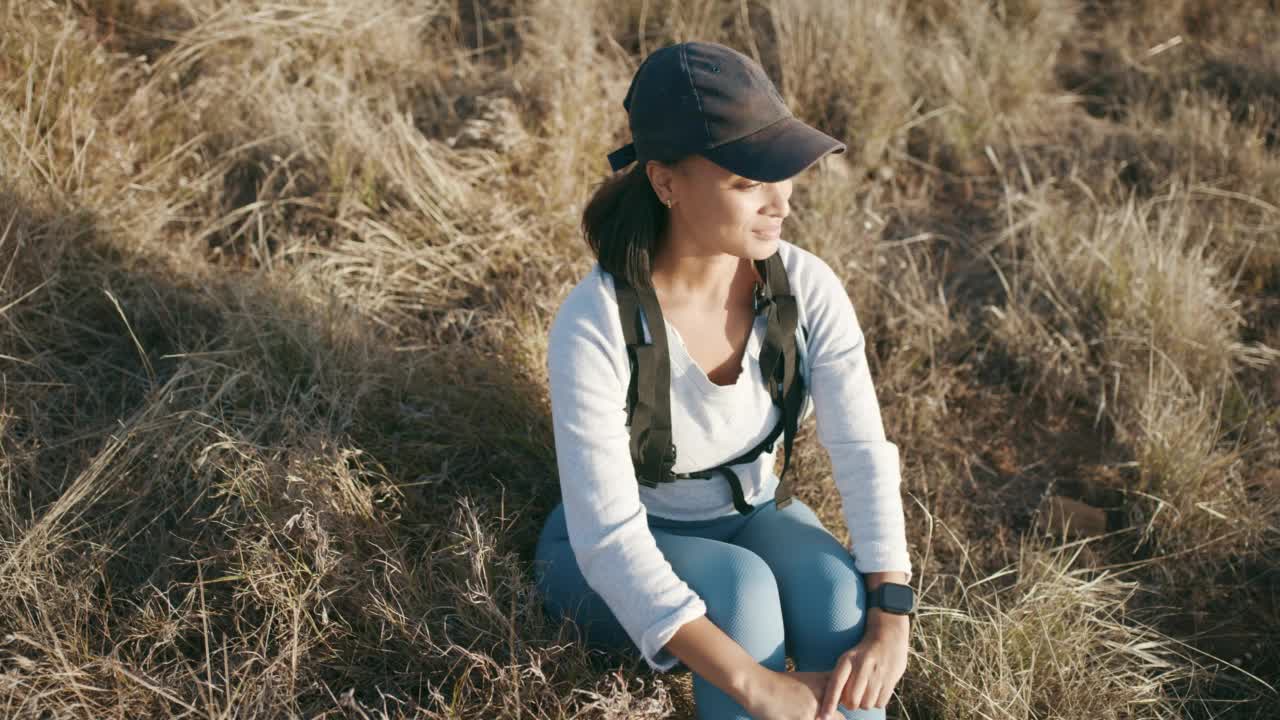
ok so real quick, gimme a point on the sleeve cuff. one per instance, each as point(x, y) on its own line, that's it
point(656, 637)
point(882, 558)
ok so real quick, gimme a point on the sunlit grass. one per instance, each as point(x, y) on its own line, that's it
point(276, 280)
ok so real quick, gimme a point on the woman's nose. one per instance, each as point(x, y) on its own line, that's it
point(779, 208)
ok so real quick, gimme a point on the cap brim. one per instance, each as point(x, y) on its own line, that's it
point(775, 152)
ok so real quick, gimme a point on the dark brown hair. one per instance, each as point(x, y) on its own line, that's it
point(624, 221)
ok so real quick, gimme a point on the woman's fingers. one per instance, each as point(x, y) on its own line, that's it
point(836, 685)
point(871, 695)
point(856, 682)
point(861, 678)
point(886, 692)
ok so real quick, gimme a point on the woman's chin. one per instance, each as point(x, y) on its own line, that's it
point(766, 244)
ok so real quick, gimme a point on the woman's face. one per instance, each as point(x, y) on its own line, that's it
point(715, 211)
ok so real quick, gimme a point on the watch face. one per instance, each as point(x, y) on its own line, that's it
point(896, 598)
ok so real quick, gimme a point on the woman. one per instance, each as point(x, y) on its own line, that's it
point(724, 578)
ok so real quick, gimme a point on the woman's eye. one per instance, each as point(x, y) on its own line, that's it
point(748, 187)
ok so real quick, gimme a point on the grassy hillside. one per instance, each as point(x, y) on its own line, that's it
point(275, 281)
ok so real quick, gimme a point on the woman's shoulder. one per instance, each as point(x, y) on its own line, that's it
point(590, 304)
point(813, 281)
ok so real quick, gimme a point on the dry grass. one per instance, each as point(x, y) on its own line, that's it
point(276, 279)
point(1042, 637)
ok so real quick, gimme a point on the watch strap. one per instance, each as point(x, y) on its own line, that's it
point(875, 598)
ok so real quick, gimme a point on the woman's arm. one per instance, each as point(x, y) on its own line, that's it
point(867, 473)
point(864, 462)
point(763, 692)
point(708, 651)
point(607, 524)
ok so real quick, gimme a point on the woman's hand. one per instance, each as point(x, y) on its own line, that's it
point(865, 676)
point(786, 695)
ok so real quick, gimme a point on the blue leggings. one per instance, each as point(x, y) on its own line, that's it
point(757, 574)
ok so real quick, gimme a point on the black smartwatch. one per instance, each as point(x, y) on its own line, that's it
point(892, 597)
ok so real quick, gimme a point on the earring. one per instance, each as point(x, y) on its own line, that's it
point(668, 202)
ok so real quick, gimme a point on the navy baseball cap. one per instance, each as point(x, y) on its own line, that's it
point(709, 99)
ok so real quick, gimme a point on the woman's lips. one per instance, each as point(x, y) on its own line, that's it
point(770, 234)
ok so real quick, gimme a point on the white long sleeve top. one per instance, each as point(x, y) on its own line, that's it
point(605, 508)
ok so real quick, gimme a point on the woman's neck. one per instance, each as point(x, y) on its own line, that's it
point(696, 275)
point(705, 280)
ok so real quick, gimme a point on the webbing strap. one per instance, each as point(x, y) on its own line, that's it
point(629, 314)
point(735, 484)
point(779, 361)
point(652, 451)
point(739, 498)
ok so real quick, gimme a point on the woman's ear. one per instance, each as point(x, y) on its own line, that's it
point(659, 177)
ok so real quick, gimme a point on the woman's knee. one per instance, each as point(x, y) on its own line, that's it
point(742, 599)
point(828, 614)
point(834, 589)
point(816, 575)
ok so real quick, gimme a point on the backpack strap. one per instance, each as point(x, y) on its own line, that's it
point(649, 396)
point(735, 483)
point(779, 360)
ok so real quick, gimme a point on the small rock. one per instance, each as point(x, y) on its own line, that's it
point(1059, 514)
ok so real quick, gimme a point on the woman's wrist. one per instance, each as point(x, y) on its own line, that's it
point(882, 621)
point(706, 650)
point(878, 619)
point(751, 682)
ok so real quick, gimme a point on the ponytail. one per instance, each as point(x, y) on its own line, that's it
point(623, 222)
